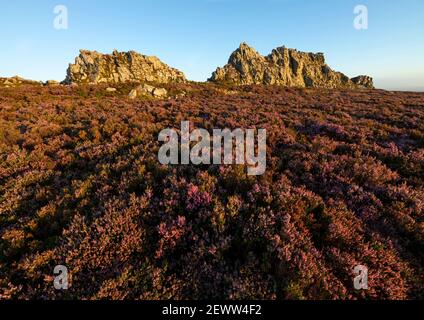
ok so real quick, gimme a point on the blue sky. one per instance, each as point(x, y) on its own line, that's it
point(196, 36)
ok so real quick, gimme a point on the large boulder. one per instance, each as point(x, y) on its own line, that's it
point(285, 67)
point(120, 67)
point(146, 90)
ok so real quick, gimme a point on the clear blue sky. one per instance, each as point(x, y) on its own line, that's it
point(196, 36)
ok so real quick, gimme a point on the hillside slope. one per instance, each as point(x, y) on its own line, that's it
point(81, 186)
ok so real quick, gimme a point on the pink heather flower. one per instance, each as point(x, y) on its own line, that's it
point(181, 221)
point(196, 198)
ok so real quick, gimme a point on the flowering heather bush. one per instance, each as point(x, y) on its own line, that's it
point(81, 186)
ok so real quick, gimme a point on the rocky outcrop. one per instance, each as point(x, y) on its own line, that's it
point(120, 67)
point(363, 81)
point(285, 67)
point(17, 81)
point(145, 90)
point(52, 83)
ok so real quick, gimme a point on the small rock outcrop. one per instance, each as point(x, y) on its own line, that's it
point(285, 67)
point(52, 83)
point(363, 82)
point(120, 67)
point(145, 90)
point(17, 81)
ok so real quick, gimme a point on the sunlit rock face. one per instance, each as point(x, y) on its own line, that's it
point(17, 81)
point(119, 67)
point(285, 67)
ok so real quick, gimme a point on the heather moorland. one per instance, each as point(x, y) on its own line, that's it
point(81, 186)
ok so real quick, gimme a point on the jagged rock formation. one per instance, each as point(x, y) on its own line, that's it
point(363, 81)
point(285, 67)
point(17, 81)
point(119, 67)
